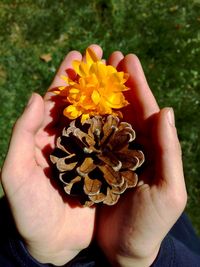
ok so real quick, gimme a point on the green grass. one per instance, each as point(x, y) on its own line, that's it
point(164, 34)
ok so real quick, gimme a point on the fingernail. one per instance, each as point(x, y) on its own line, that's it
point(30, 100)
point(170, 116)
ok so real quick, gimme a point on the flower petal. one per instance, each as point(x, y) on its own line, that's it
point(91, 57)
point(96, 97)
point(72, 112)
point(76, 64)
point(97, 89)
point(116, 100)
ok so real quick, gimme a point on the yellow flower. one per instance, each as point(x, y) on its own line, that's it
point(96, 90)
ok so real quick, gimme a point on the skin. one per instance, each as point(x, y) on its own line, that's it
point(56, 229)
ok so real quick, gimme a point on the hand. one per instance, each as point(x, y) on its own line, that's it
point(51, 227)
point(130, 233)
point(54, 229)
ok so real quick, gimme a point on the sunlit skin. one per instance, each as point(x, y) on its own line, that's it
point(54, 228)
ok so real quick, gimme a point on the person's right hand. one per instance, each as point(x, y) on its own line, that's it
point(130, 233)
point(53, 228)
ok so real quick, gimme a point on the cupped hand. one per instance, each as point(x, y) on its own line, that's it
point(130, 233)
point(53, 229)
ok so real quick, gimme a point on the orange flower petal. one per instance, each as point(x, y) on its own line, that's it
point(72, 112)
point(96, 97)
point(76, 64)
point(97, 89)
point(116, 101)
point(91, 57)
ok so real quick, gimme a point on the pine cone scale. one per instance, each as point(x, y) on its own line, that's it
point(111, 160)
point(86, 167)
point(131, 163)
point(130, 177)
point(91, 187)
point(96, 198)
point(69, 186)
point(63, 166)
point(111, 198)
point(120, 189)
point(112, 177)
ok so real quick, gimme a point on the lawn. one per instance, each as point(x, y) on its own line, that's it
point(164, 34)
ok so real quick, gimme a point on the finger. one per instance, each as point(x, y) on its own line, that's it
point(21, 151)
point(97, 50)
point(66, 64)
point(54, 104)
point(142, 101)
point(168, 150)
point(115, 58)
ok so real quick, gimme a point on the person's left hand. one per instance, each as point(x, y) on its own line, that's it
point(131, 232)
point(53, 228)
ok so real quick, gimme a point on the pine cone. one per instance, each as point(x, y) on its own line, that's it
point(95, 161)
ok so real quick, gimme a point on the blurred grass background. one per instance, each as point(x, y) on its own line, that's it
point(165, 34)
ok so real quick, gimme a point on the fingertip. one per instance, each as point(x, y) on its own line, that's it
point(97, 49)
point(165, 128)
point(165, 137)
point(115, 58)
point(140, 94)
point(35, 97)
point(169, 165)
point(170, 116)
point(167, 116)
point(66, 64)
point(132, 56)
point(33, 115)
point(133, 66)
point(72, 55)
point(35, 100)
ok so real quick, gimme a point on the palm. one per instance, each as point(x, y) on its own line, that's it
point(136, 214)
point(47, 220)
point(40, 204)
point(141, 219)
point(133, 218)
point(43, 217)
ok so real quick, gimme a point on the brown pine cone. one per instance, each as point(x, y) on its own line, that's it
point(95, 161)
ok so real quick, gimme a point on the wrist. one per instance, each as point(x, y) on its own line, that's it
point(47, 255)
point(147, 260)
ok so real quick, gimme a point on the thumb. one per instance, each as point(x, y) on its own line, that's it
point(169, 161)
point(22, 145)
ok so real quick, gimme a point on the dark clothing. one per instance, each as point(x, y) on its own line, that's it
point(180, 248)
